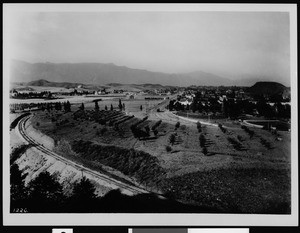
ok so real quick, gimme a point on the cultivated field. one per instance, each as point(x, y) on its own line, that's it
point(238, 172)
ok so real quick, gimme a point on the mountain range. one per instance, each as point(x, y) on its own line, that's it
point(95, 74)
point(101, 74)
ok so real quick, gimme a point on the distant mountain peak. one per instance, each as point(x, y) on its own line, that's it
point(100, 74)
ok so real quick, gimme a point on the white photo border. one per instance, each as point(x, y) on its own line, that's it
point(151, 219)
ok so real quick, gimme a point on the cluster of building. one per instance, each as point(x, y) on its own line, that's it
point(231, 102)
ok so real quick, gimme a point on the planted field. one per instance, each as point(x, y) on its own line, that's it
point(202, 173)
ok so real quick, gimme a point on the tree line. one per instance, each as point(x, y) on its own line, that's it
point(234, 108)
point(66, 106)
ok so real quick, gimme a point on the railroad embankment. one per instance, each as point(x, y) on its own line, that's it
point(33, 161)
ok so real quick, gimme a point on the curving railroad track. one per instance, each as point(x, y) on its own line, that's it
point(41, 148)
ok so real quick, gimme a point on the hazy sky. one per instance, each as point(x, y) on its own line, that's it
point(229, 44)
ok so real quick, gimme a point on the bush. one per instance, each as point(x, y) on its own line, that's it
point(236, 144)
point(156, 125)
point(168, 148)
point(222, 128)
point(172, 139)
point(240, 138)
point(177, 125)
point(249, 131)
point(204, 151)
point(199, 127)
point(103, 130)
point(183, 127)
point(202, 140)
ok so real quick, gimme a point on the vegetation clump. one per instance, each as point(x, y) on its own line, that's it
point(199, 127)
point(156, 125)
point(247, 130)
point(138, 164)
point(224, 130)
point(168, 148)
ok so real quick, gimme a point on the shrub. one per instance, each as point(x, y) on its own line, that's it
point(156, 125)
point(177, 125)
point(236, 144)
point(183, 127)
point(249, 131)
point(168, 148)
point(240, 138)
point(204, 151)
point(155, 132)
point(222, 128)
point(265, 143)
point(199, 127)
point(103, 130)
point(172, 139)
point(202, 140)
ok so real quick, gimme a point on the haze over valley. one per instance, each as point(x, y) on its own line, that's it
point(101, 74)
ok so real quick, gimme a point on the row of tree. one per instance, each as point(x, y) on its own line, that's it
point(97, 108)
point(66, 106)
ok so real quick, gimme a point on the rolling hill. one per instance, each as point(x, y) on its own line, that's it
point(101, 74)
point(269, 88)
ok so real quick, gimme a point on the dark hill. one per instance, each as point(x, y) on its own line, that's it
point(45, 83)
point(269, 88)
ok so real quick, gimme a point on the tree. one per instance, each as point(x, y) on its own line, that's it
point(45, 193)
point(177, 125)
point(111, 107)
point(141, 107)
point(168, 148)
point(199, 126)
point(202, 140)
point(68, 106)
point(105, 107)
point(84, 190)
point(155, 132)
point(48, 107)
point(81, 107)
point(18, 191)
point(172, 139)
point(96, 106)
point(123, 106)
point(120, 105)
point(138, 133)
point(204, 151)
point(147, 128)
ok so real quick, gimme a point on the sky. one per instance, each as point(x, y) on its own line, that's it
point(233, 45)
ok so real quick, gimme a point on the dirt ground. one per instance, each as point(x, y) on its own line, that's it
point(186, 157)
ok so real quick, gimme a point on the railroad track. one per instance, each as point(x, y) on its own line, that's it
point(40, 147)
